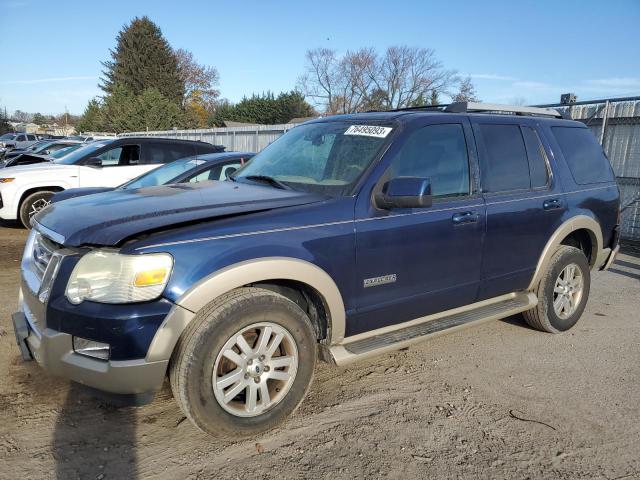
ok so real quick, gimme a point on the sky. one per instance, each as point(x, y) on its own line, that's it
point(526, 50)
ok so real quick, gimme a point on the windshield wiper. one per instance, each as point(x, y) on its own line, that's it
point(270, 180)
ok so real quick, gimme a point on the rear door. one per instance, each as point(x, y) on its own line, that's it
point(525, 203)
point(154, 153)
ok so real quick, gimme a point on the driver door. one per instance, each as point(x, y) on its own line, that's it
point(413, 262)
point(118, 165)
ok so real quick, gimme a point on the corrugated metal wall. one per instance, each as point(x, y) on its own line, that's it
point(621, 142)
point(245, 139)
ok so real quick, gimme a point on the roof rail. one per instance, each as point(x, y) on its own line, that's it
point(469, 107)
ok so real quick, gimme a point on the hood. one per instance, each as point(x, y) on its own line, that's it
point(78, 192)
point(111, 217)
point(26, 159)
point(37, 168)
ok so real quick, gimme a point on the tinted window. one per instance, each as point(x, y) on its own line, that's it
point(537, 158)
point(504, 165)
point(21, 138)
point(166, 152)
point(437, 152)
point(164, 174)
point(583, 154)
point(31, 137)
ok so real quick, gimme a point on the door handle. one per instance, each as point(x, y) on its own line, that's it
point(465, 217)
point(552, 204)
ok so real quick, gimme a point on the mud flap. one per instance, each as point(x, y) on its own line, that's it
point(21, 330)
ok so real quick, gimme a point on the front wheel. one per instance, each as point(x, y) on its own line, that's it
point(562, 292)
point(33, 204)
point(244, 363)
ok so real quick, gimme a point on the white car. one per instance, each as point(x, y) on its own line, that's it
point(10, 141)
point(27, 189)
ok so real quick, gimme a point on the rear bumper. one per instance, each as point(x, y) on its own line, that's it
point(53, 351)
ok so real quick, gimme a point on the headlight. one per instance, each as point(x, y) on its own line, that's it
point(109, 277)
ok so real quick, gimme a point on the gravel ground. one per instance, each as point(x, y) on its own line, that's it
point(497, 401)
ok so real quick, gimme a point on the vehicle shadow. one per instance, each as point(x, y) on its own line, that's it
point(518, 321)
point(93, 438)
point(12, 224)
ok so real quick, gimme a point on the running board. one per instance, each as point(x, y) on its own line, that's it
point(399, 336)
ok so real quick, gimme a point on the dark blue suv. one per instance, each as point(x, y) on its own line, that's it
point(348, 237)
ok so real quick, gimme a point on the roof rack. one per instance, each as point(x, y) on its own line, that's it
point(475, 107)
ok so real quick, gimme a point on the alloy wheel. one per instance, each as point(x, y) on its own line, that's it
point(255, 369)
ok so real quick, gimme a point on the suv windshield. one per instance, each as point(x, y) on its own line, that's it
point(77, 152)
point(326, 157)
point(164, 174)
point(8, 136)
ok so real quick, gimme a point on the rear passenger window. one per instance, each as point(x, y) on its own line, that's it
point(583, 154)
point(437, 152)
point(537, 158)
point(504, 166)
point(166, 152)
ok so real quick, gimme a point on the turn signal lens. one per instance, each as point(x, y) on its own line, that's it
point(151, 277)
point(6, 180)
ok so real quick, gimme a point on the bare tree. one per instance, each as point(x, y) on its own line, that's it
point(408, 73)
point(338, 84)
point(200, 81)
point(362, 80)
point(520, 101)
point(20, 116)
point(467, 92)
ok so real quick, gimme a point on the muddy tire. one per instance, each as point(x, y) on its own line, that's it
point(33, 204)
point(244, 363)
point(562, 292)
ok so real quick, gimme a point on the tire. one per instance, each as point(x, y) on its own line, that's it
point(33, 204)
point(199, 356)
point(545, 316)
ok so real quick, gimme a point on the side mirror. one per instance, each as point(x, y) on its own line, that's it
point(230, 171)
point(405, 192)
point(94, 162)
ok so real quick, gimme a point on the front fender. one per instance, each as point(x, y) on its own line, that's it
point(238, 275)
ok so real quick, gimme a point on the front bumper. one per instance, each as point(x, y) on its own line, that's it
point(54, 353)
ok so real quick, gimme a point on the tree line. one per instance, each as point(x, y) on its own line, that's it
point(148, 85)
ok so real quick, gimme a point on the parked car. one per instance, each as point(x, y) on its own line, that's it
point(212, 166)
point(41, 147)
point(9, 141)
point(347, 237)
point(31, 158)
point(90, 138)
point(26, 189)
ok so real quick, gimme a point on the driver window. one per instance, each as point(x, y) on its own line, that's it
point(110, 157)
point(122, 156)
point(437, 152)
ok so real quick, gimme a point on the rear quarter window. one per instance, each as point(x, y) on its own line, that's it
point(583, 154)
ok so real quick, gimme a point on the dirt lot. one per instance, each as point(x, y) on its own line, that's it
point(497, 401)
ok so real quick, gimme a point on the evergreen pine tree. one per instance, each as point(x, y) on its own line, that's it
point(143, 59)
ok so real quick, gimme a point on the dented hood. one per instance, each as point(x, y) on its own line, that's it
point(111, 217)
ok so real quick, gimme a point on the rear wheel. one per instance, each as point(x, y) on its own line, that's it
point(33, 204)
point(562, 292)
point(244, 363)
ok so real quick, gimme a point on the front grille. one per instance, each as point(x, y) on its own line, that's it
point(43, 250)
